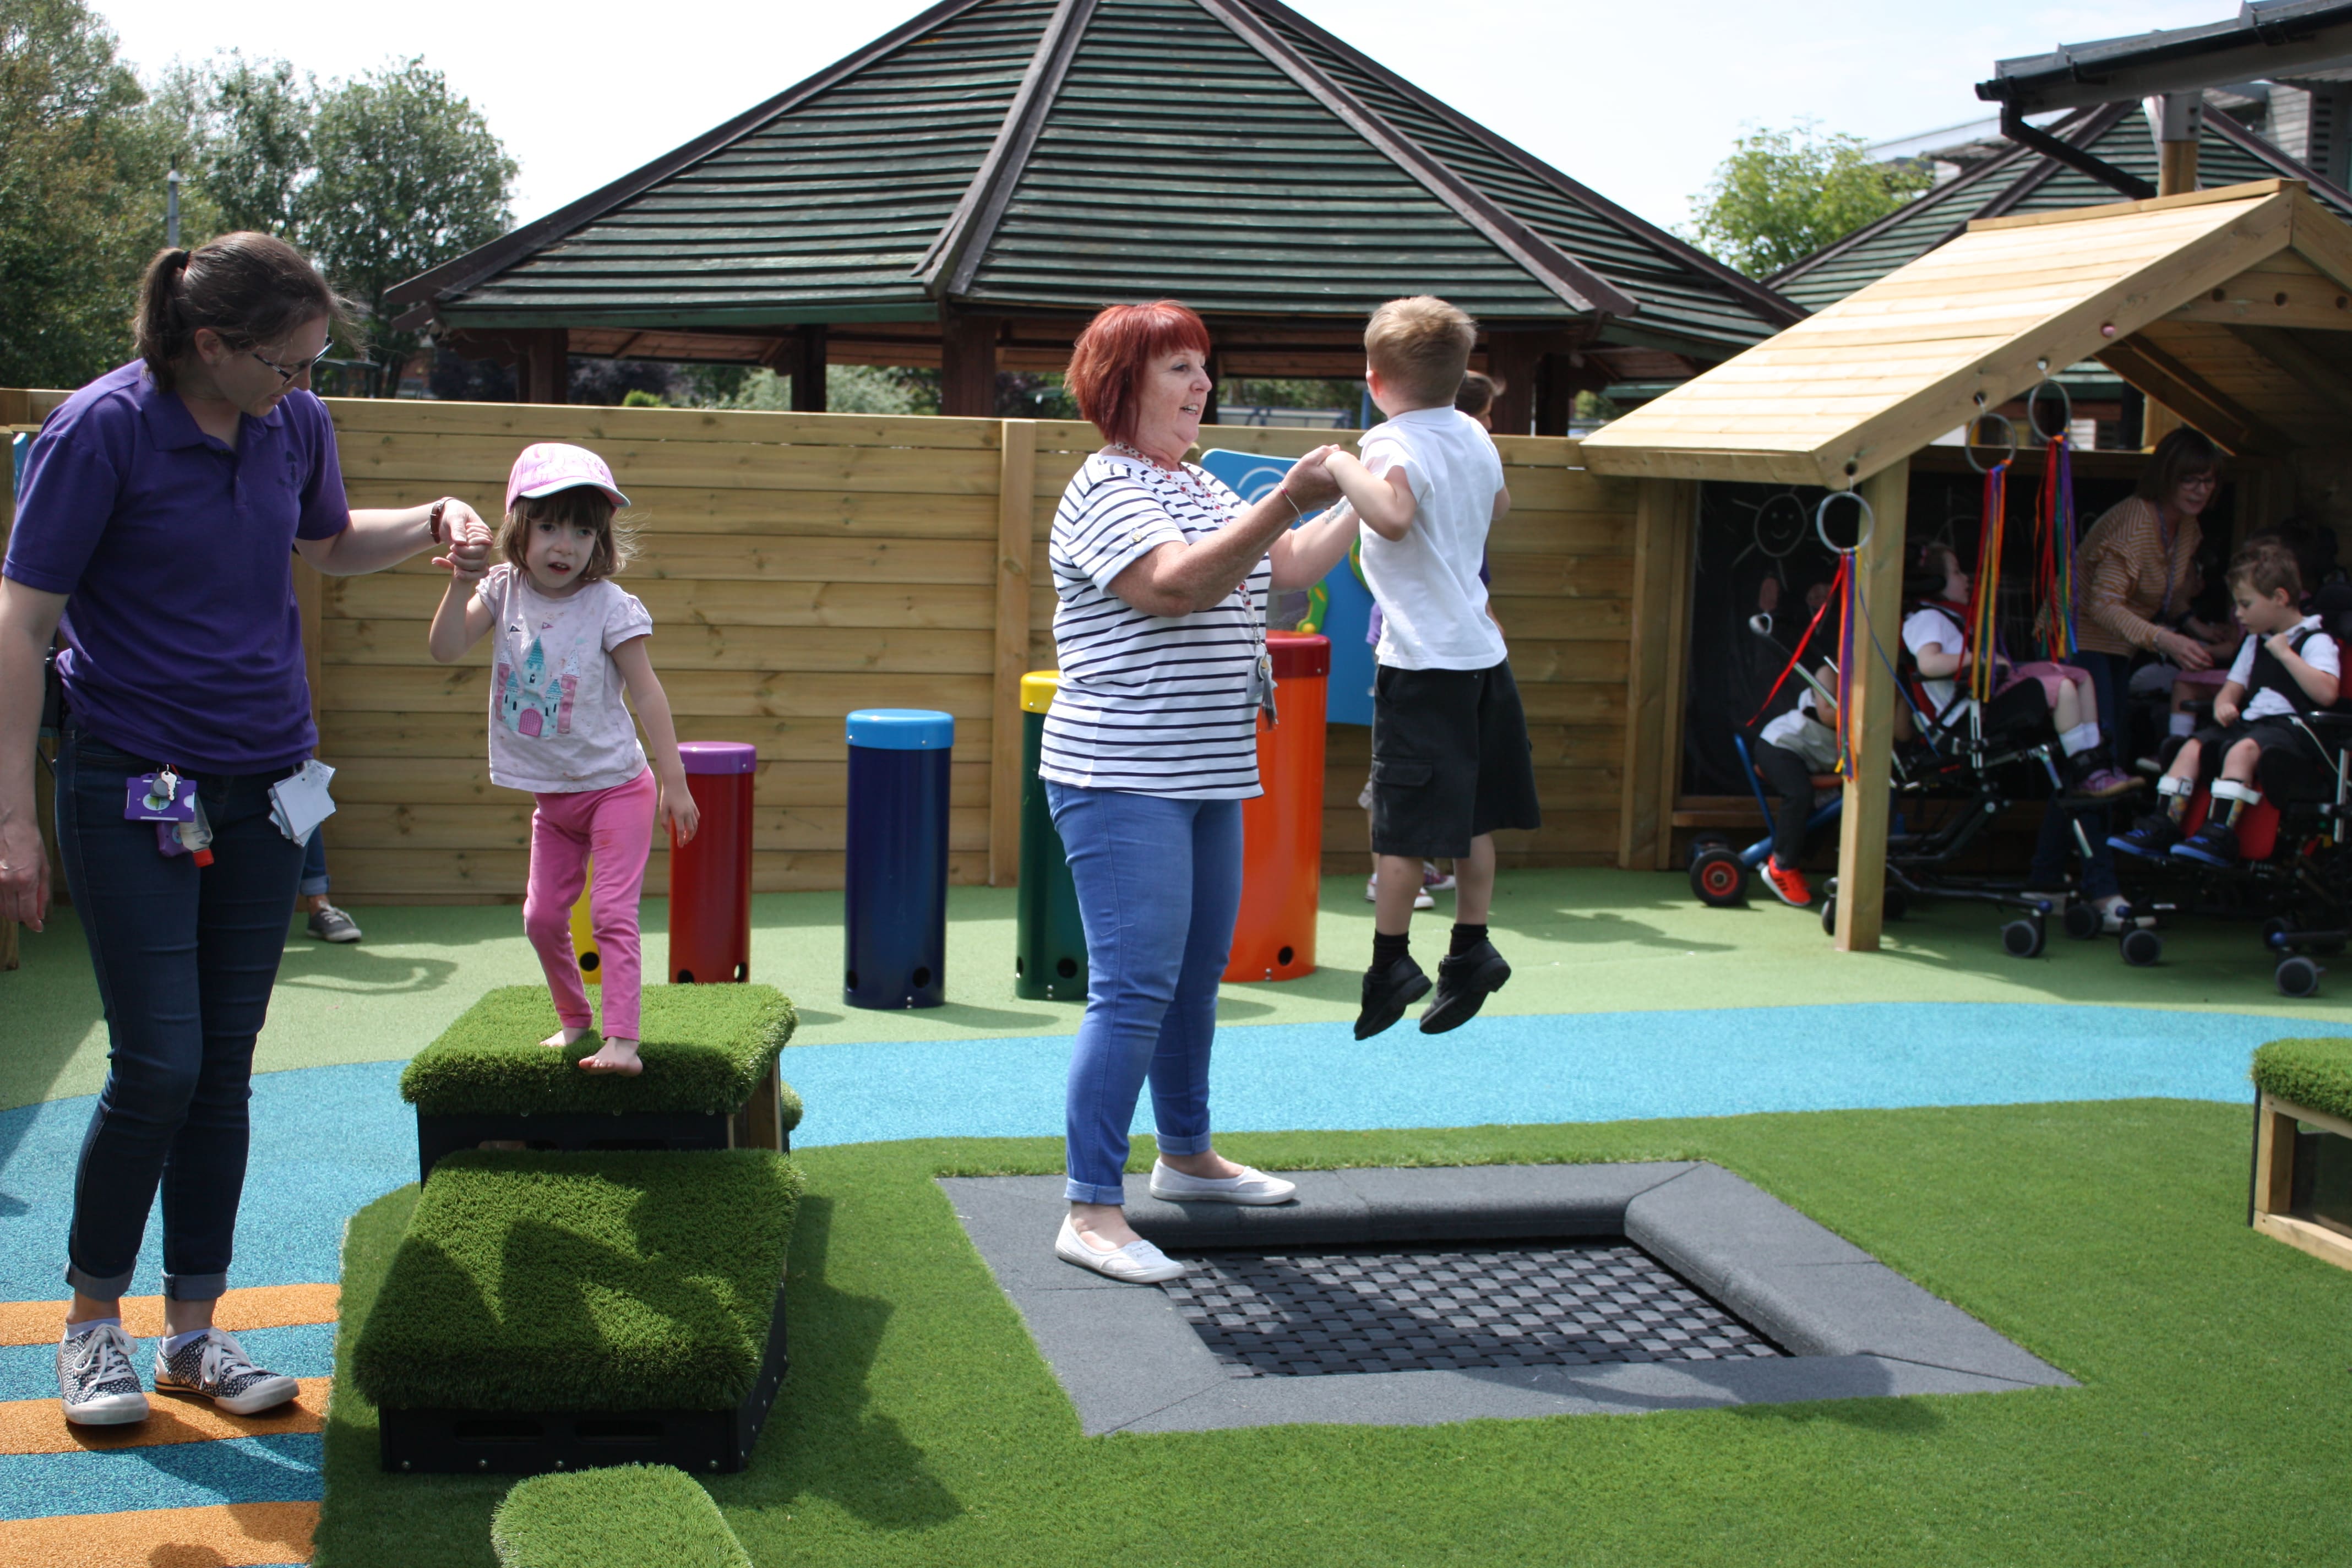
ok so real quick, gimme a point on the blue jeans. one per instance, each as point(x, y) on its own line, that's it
point(185, 960)
point(1159, 885)
point(314, 866)
point(2109, 673)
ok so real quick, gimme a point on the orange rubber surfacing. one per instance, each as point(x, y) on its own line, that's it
point(263, 1307)
point(38, 1426)
point(225, 1535)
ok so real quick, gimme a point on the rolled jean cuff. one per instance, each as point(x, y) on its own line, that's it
point(1078, 1191)
point(1170, 1144)
point(310, 887)
point(98, 1288)
point(195, 1287)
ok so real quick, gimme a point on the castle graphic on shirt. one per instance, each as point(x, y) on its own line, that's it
point(533, 699)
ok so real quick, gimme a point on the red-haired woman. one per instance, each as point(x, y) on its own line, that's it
point(1150, 747)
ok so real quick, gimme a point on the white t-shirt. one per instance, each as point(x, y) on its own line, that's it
point(2318, 650)
point(1432, 604)
point(1932, 623)
point(1801, 730)
point(559, 723)
point(1150, 704)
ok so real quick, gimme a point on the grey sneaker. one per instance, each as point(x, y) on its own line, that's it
point(328, 923)
point(216, 1367)
point(95, 1382)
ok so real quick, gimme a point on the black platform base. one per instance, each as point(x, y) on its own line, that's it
point(580, 1132)
point(534, 1442)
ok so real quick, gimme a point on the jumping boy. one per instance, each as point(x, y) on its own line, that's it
point(1451, 761)
point(2286, 668)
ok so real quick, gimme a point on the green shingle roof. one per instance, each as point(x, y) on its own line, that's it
point(1052, 155)
point(2026, 181)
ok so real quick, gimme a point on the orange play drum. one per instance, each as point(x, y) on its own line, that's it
point(1282, 830)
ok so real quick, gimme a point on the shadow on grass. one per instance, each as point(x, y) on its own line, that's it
point(322, 966)
point(823, 1438)
point(1607, 928)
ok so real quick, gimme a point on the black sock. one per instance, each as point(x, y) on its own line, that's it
point(1387, 949)
point(1466, 937)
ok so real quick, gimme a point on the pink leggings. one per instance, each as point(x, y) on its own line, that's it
point(616, 826)
point(2049, 677)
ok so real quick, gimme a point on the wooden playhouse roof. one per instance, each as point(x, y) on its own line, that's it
point(2232, 308)
point(1016, 157)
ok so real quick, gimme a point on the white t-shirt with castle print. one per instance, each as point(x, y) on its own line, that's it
point(558, 720)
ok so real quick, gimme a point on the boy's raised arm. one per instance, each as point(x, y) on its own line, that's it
point(1385, 503)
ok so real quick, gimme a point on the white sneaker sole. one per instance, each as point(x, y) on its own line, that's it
point(268, 1395)
point(108, 1410)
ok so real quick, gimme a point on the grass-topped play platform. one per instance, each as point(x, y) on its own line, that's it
point(546, 1312)
point(710, 1079)
point(920, 1427)
point(630, 1516)
point(2302, 1191)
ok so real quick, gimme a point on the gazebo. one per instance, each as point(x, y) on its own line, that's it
point(2232, 308)
point(966, 190)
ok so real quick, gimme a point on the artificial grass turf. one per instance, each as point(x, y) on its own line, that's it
point(706, 1048)
point(919, 1426)
point(629, 1516)
point(2313, 1074)
point(603, 1281)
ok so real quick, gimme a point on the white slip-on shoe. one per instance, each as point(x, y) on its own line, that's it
point(1252, 1186)
point(1137, 1263)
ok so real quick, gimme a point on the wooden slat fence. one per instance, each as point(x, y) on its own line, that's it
point(798, 567)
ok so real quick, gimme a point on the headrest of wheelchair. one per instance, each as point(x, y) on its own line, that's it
point(2333, 606)
point(1922, 585)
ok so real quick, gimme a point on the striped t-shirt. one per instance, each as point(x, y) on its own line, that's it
point(1152, 704)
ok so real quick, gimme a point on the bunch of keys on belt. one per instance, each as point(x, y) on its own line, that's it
point(169, 801)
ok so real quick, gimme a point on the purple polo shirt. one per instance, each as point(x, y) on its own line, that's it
point(183, 641)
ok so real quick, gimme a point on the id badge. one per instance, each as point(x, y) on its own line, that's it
point(1262, 686)
point(160, 796)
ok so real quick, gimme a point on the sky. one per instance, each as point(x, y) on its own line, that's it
point(1637, 101)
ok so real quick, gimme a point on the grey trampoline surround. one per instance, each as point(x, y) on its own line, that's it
point(1141, 1359)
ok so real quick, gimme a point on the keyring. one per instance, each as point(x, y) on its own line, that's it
point(1969, 443)
point(2065, 401)
point(1821, 518)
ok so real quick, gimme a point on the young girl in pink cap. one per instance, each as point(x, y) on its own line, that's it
point(568, 641)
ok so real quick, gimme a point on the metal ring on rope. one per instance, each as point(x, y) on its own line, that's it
point(1969, 442)
point(2065, 401)
point(1821, 518)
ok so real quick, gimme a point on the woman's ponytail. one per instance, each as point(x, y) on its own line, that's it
point(251, 289)
point(160, 332)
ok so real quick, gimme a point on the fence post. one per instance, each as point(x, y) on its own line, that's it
point(1016, 505)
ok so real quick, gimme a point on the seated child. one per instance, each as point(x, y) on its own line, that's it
point(1788, 751)
point(1451, 759)
point(2286, 667)
point(2025, 694)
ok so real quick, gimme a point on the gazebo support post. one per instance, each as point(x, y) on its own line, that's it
point(1862, 824)
point(1512, 358)
point(544, 366)
point(968, 366)
point(807, 369)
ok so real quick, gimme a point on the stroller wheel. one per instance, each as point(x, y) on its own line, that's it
point(1829, 917)
point(1897, 903)
point(2083, 922)
point(2023, 938)
point(2298, 976)
point(2142, 947)
point(1719, 877)
point(1703, 842)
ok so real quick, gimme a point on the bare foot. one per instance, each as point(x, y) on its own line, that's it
point(563, 1037)
point(618, 1056)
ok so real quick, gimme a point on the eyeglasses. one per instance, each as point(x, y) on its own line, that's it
point(286, 377)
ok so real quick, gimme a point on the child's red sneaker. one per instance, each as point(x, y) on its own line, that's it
point(1788, 883)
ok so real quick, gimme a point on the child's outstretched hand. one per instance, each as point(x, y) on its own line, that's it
point(679, 810)
point(468, 556)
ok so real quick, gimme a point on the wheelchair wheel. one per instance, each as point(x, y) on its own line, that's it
point(1703, 842)
point(1897, 903)
point(1719, 877)
point(1829, 917)
point(2023, 938)
point(2298, 976)
point(2142, 947)
point(2083, 922)
point(2275, 926)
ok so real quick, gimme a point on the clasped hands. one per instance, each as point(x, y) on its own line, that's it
point(468, 542)
point(1309, 483)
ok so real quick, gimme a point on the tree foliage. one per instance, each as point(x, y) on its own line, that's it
point(1783, 194)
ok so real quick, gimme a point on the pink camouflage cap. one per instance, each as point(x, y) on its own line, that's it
point(552, 466)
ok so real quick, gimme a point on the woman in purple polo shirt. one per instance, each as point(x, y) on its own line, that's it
point(160, 511)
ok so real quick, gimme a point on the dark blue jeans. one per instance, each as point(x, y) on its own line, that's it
point(314, 864)
point(185, 959)
point(2109, 674)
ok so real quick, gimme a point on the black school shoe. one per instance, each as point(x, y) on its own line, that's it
point(2151, 839)
point(1387, 992)
point(1463, 983)
point(2212, 845)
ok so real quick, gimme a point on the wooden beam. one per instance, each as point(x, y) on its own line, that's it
point(1016, 507)
point(2329, 380)
point(1862, 824)
point(807, 349)
point(543, 368)
point(1512, 358)
point(2166, 381)
point(1664, 516)
point(967, 365)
